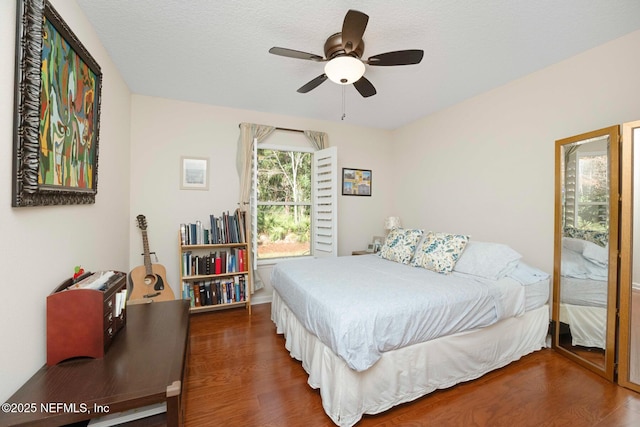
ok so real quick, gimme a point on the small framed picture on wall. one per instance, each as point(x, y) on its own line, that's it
point(356, 182)
point(194, 173)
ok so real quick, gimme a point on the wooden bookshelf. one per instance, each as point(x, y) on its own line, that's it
point(240, 278)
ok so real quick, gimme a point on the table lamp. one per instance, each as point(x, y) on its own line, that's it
point(391, 222)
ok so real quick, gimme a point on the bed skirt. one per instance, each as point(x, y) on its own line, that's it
point(588, 324)
point(408, 373)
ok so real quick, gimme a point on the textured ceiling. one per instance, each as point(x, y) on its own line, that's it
point(216, 52)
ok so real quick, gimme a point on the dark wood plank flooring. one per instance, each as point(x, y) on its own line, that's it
point(240, 374)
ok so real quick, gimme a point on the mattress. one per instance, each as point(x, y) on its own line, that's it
point(536, 294)
point(585, 292)
point(337, 300)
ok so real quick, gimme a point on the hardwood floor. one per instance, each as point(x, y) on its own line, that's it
point(240, 374)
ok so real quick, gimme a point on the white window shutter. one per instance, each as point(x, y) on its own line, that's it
point(325, 202)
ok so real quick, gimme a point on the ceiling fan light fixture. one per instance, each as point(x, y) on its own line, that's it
point(344, 70)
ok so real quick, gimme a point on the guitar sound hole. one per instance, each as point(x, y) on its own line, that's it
point(155, 280)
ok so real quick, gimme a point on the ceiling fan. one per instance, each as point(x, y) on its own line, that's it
point(343, 55)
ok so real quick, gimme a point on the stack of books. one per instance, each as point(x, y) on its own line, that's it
point(224, 229)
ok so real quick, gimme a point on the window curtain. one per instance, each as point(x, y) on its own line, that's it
point(319, 140)
point(251, 135)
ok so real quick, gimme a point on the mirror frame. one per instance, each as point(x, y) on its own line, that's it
point(626, 255)
point(613, 132)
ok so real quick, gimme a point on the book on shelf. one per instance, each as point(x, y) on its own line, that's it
point(196, 294)
point(208, 298)
point(216, 292)
point(231, 260)
point(224, 229)
point(192, 296)
point(203, 294)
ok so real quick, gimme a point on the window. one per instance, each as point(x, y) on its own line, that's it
point(592, 191)
point(297, 201)
point(284, 202)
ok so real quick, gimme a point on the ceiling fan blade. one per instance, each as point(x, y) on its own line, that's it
point(399, 57)
point(353, 28)
point(290, 53)
point(365, 87)
point(313, 84)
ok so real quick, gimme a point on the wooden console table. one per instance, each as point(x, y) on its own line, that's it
point(144, 365)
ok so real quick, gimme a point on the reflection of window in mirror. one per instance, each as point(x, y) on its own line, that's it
point(592, 191)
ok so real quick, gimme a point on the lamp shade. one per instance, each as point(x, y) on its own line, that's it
point(391, 223)
point(344, 70)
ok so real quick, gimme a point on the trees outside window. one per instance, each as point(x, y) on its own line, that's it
point(592, 191)
point(284, 207)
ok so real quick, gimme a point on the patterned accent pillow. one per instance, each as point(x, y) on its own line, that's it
point(400, 244)
point(439, 252)
point(600, 238)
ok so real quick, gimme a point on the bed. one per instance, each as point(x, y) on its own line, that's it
point(375, 331)
point(583, 291)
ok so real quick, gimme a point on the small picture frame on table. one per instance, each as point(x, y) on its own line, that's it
point(377, 243)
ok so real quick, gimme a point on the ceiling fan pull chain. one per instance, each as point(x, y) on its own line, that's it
point(344, 114)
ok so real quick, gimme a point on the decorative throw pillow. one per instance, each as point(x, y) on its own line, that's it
point(400, 244)
point(439, 252)
point(600, 238)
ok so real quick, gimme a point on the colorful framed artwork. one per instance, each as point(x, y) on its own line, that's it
point(57, 112)
point(194, 173)
point(356, 182)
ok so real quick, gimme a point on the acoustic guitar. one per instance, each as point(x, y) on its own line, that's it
point(148, 282)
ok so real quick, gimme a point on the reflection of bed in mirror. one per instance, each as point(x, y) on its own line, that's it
point(583, 291)
point(596, 176)
point(586, 231)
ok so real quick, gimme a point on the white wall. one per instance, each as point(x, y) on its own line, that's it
point(41, 246)
point(486, 166)
point(163, 130)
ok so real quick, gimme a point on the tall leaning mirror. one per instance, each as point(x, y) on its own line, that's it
point(629, 353)
point(585, 251)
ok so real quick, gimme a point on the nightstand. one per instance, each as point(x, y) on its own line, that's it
point(361, 253)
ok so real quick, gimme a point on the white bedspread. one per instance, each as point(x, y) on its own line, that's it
point(363, 306)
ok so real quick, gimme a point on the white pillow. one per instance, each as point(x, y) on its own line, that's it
point(596, 254)
point(488, 260)
point(573, 264)
point(576, 245)
point(593, 252)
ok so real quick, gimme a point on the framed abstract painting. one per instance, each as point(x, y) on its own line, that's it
point(57, 112)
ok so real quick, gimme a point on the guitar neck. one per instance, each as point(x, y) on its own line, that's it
point(147, 255)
